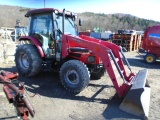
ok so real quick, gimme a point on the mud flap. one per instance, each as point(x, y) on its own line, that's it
point(137, 100)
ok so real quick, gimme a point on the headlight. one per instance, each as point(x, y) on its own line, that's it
point(91, 59)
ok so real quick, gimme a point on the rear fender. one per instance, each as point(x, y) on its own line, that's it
point(35, 42)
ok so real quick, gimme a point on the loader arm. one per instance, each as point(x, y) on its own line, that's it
point(133, 88)
point(109, 54)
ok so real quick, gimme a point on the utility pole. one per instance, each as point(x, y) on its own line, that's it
point(44, 3)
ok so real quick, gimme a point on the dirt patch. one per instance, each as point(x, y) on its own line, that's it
point(97, 102)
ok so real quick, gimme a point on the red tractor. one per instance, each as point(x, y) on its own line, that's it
point(53, 43)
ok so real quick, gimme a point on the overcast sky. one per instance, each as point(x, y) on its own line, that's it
point(148, 9)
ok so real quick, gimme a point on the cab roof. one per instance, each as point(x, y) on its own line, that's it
point(46, 10)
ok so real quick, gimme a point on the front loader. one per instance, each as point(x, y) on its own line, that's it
point(53, 44)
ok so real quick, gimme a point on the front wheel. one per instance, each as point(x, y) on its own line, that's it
point(98, 73)
point(28, 60)
point(150, 58)
point(74, 76)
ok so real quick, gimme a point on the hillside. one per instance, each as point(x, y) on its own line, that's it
point(9, 15)
point(113, 22)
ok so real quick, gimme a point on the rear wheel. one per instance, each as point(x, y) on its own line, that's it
point(74, 76)
point(28, 60)
point(150, 58)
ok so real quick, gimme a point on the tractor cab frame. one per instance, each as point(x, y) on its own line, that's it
point(48, 26)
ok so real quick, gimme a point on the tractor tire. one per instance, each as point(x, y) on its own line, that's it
point(150, 58)
point(74, 76)
point(98, 73)
point(28, 60)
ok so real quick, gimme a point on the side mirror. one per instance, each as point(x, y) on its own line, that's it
point(80, 22)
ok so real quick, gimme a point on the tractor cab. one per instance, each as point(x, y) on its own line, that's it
point(47, 25)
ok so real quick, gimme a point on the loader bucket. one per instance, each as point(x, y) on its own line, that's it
point(137, 100)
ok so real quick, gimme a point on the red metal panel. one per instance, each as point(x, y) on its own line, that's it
point(64, 46)
point(9, 93)
point(84, 33)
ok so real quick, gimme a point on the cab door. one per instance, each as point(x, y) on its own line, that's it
point(42, 28)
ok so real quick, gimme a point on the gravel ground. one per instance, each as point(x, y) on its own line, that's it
point(97, 102)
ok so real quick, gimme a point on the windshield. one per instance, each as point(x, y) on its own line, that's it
point(69, 28)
